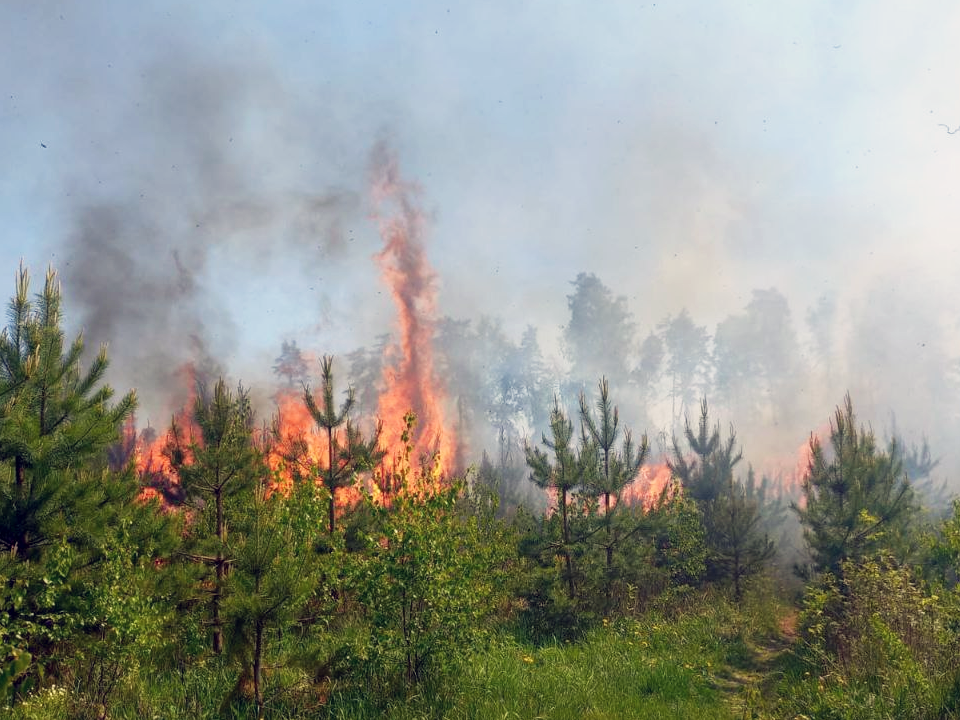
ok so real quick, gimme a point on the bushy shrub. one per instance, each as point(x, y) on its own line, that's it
point(430, 576)
point(876, 643)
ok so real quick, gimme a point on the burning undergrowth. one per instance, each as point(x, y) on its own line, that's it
point(411, 398)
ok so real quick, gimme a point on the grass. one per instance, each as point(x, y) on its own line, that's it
point(699, 664)
point(652, 667)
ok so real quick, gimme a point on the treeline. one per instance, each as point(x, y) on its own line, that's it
point(263, 590)
point(771, 369)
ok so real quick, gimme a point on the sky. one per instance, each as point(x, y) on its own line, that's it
point(198, 172)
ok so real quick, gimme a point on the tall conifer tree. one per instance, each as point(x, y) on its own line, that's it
point(68, 523)
point(53, 418)
point(563, 473)
point(857, 499)
point(218, 470)
point(615, 468)
point(736, 545)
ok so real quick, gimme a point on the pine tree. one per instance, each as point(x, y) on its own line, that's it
point(615, 468)
point(733, 535)
point(274, 571)
point(76, 567)
point(736, 545)
point(600, 335)
point(687, 360)
point(290, 364)
point(564, 473)
point(217, 471)
point(348, 453)
point(53, 419)
point(856, 502)
point(704, 477)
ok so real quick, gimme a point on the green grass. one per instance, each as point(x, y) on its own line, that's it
point(647, 668)
point(691, 665)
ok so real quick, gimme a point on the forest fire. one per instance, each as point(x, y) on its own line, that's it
point(424, 451)
point(649, 486)
point(410, 383)
point(151, 457)
point(294, 446)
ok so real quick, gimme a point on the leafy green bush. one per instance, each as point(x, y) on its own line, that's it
point(431, 576)
point(877, 643)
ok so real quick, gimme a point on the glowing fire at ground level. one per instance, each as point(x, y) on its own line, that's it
point(427, 453)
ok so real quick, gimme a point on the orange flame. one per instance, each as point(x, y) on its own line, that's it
point(409, 379)
point(295, 447)
point(649, 486)
point(150, 459)
point(789, 473)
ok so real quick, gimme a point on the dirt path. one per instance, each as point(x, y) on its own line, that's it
point(750, 682)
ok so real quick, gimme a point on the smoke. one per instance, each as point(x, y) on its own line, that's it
point(196, 209)
point(198, 174)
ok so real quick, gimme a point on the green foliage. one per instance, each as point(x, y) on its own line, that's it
point(275, 569)
point(943, 552)
point(877, 644)
point(567, 470)
point(732, 525)
point(14, 662)
point(731, 516)
point(430, 578)
point(76, 575)
point(646, 667)
point(707, 474)
point(348, 455)
point(53, 418)
point(680, 549)
point(615, 469)
point(218, 471)
point(92, 617)
point(856, 502)
point(123, 620)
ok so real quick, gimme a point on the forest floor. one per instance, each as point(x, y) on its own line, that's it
point(752, 683)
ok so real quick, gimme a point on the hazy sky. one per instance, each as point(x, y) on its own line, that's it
point(216, 154)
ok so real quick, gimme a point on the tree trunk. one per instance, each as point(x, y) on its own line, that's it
point(737, 571)
point(20, 473)
point(258, 667)
point(606, 511)
point(333, 492)
point(566, 543)
point(221, 574)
